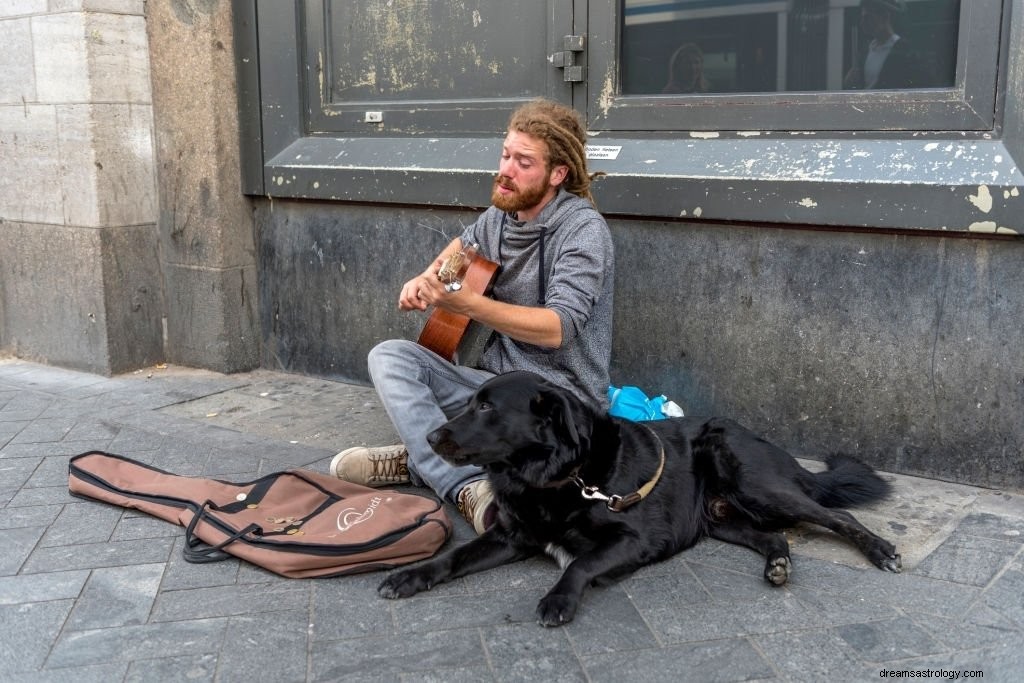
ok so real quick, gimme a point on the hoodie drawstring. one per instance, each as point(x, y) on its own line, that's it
point(541, 285)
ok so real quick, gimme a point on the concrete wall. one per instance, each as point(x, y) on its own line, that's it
point(122, 222)
point(902, 349)
point(79, 283)
point(205, 223)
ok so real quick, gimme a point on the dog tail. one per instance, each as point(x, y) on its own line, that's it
point(847, 483)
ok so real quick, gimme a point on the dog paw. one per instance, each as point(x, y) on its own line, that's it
point(776, 570)
point(555, 610)
point(403, 584)
point(893, 563)
point(886, 558)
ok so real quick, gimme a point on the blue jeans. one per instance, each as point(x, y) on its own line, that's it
point(420, 391)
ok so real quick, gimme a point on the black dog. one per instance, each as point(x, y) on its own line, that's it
point(606, 496)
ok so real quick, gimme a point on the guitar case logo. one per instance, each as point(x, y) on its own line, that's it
point(349, 517)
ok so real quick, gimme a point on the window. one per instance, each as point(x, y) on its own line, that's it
point(787, 120)
point(770, 46)
point(428, 68)
point(806, 57)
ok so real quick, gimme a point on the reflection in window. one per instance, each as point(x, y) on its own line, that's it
point(750, 46)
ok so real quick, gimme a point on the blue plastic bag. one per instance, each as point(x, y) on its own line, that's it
point(633, 404)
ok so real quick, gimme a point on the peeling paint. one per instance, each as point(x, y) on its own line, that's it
point(698, 212)
point(703, 135)
point(807, 203)
point(990, 227)
point(607, 92)
point(931, 147)
point(982, 200)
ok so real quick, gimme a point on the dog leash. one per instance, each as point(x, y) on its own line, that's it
point(618, 503)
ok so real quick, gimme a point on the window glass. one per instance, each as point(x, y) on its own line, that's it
point(751, 46)
point(405, 50)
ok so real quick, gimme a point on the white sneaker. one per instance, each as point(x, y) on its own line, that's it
point(476, 504)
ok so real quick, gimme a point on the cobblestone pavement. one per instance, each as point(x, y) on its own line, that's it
point(91, 592)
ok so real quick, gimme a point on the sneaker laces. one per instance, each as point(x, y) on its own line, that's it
point(388, 466)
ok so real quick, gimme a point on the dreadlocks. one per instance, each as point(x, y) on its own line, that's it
point(562, 129)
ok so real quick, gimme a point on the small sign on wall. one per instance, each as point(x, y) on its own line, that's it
point(610, 152)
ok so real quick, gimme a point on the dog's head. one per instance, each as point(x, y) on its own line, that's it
point(517, 421)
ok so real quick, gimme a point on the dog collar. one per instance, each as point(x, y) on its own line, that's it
point(618, 503)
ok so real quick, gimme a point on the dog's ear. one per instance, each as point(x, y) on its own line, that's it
point(555, 404)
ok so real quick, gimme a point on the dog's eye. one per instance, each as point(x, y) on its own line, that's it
point(483, 407)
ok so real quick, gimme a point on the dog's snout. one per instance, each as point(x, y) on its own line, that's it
point(440, 439)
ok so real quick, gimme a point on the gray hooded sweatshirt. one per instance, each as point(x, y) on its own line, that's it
point(563, 261)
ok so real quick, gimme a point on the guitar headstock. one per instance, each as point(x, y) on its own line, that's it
point(454, 268)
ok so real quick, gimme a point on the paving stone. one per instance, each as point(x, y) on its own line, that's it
point(41, 587)
point(1003, 663)
point(190, 668)
point(132, 527)
point(38, 515)
point(832, 609)
point(392, 655)
point(539, 573)
point(818, 655)
point(1004, 595)
point(988, 525)
point(14, 472)
point(968, 559)
point(979, 627)
point(268, 647)
point(610, 605)
point(46, 430)
point(98, 430)
point(52, 471)
point(733, 659)
point(466, 611)
point(17, 545)
point(42, 495)
point(117, 596)
point(95, 673)
point(96, 555)
point(182, 574)
point(26, 407)
point(902, 591)
point(889, 640)
point(468, 674)
point(138, 642)
point(349, 607)
point(88, 522)
point(526, 652)
point(132, 440)
point(29, 630)
point(222, 601)
point(10, 429)
point(38, 450)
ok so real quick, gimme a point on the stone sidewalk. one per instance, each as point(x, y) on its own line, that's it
point(90, 592)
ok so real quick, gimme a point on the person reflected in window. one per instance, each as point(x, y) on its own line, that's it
point(891, 61)
point(686, 71)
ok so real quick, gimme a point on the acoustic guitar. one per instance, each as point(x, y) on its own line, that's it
point(444, 330)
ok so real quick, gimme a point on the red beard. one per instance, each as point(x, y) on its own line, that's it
point(521, 198)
